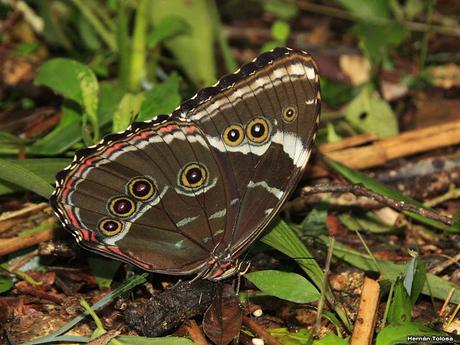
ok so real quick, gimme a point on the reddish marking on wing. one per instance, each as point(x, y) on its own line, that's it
point(168, 128)
point(191, 129)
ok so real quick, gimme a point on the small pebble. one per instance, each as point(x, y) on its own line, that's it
point(258, 341)
point(257, 313)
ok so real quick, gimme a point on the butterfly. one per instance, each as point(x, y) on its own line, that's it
point(187, 193)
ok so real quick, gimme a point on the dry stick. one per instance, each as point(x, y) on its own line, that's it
point(11, 245)
point(367, 313)
point(382, 151)
point(195, 333)
point(23, 211)
point(319, 312)
point(443, 265)
point(257, 329)
point(359, 190)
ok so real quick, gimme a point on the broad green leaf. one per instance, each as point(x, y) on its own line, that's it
point(14, 173)
point(331, 339)
point(335, 93)
point(282, 238)
point(74, 81)
point(162, 99)
point(369, 113)
point(132, 340)
point(332, 135)
point(285, 285)
point(417, 279)
point(103, 269)
point(62, 137)
point(194, 49)
point(376, 40)
point(6, 283)
point(10, 139)
point(400, 305)
point(365, 222)
point(287, 337)
point(315, 222)
point(355, 176)
point(110, 95)
point(280, 31)
point(166, 29)
point(434, 286)
point(397, 334)
point(44, 168)
point(127, 110)
point(365, 9)
point(284, 9)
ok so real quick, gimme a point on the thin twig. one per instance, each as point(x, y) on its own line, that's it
point(359, 190)
point(319, 312)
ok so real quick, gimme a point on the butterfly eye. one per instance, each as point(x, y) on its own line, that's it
point(110, 227)
point(141, 188)
point(289, 114)
point(193, 175)
point(233, 135)
point(122, 206)
point(258, 130)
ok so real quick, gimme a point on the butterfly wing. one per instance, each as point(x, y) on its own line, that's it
point(144, 196)
point(261, 123)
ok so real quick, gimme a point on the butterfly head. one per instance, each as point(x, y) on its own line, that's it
point(222, 269)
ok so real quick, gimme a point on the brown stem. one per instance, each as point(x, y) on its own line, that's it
point(359, 190)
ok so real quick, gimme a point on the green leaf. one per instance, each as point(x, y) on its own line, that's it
point(331, 339)
point(132, 340)
point(376, 40)
point(366, 9)
point(74, 81)
point(335, 93)
point(369, 113)
point(45, 168)
point(104, 270)
point(285, 285)
point(416, 277)
point(434, 286)
point(332, 135)
point(280, 31)
point(400, 305)
point(282, 238)
point(284, 9)
point(162, 99)
point(168, 27)
point(62, 137)
point(365, 222)
point(315, 222)
point(287, 337)
point(6, 283)
point(397, 334)
point(195, 49)
point(110, 95)
point(14, 173)
point(355, 176)
point(127, 110)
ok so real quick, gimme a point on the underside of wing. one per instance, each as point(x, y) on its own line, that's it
point(152, 196)
point(261, 122)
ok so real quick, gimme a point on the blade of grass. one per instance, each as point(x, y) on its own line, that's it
point(127, 285)
point(282, 238)
point(22, 177)
point(435, 286)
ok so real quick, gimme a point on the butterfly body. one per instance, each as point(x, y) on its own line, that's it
point(187, 193)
